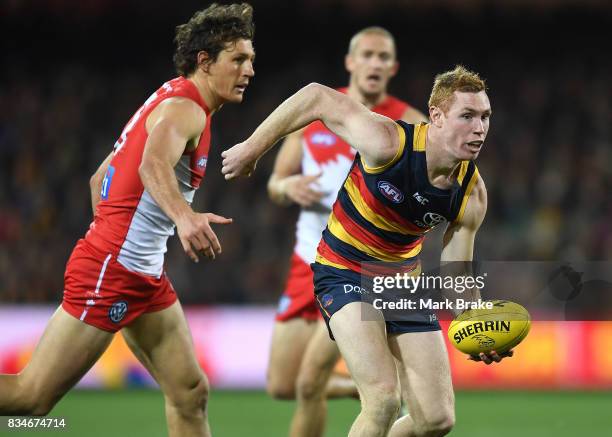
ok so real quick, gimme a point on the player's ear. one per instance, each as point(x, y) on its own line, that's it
point(435, 115)
point(203, 61)
point(349, 63)
point(395, 68)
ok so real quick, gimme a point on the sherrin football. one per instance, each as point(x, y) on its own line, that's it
point(483, 330)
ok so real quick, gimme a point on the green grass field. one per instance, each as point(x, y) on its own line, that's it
point(253, 414)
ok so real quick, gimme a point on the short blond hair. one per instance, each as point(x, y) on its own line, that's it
point(460, 79)
point(372, 30)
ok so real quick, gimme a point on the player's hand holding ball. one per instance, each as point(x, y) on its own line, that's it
point(488, 335)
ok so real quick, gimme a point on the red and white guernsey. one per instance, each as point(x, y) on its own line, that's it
point(324, 152)
point(128, 223)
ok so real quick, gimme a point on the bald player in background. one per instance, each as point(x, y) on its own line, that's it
point(309, 170)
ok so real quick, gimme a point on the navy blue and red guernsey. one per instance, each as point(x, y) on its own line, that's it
point(382, 214)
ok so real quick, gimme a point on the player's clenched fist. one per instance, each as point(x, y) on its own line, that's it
point(238, 161)
point(196, 235)
point(299, 189)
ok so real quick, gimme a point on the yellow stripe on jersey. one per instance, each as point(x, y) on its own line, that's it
point(377, 220)
point(462, 171)
point(320, 259)
point(466, 196)
point(338, 231)
point(419, 137)
point(398, 154)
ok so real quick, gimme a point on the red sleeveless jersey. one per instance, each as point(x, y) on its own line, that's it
point(128, 222)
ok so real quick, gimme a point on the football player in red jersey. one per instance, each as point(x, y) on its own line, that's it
point(114, 279)
point(379, 221)
point(310, 168)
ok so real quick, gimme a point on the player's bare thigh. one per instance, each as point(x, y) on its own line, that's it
point(159, 336)
point(320, 357)
point(424, 371)
point(65, 352)
point(361, 336)
point(289, 342)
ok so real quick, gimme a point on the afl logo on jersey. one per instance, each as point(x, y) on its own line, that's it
point(202, 161)
point(323, 139)
point(117, 311)
point(389, 190)
point(432, 219)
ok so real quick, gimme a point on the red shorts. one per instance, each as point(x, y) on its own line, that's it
point(101, 292)
point(298, 299)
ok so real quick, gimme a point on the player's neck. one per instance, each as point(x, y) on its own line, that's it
point(442, 167)
point(211, 99)
point(369, 101)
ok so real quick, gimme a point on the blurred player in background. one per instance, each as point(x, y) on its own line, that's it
point(309, 170)
point(115, 278)
point(405, 180)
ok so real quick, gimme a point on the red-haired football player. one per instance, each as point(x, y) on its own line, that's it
point(405, 180)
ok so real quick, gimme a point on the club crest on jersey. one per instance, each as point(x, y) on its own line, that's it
point(327, 300)
point(323, 139)
point(391, 192)
point(202, 161)
point(117, 311)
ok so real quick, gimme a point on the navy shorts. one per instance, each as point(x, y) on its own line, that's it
point(335, 288)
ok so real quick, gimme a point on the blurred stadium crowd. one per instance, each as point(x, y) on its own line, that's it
point(64, 99)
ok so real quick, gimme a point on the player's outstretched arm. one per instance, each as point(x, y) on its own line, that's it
point(174, 126)
point(373, 135)
point(287, 184)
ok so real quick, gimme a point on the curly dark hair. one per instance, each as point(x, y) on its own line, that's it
point(210, 30)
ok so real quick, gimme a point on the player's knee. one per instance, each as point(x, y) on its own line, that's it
point(192, 398)
point(382, 401)
point(309, 389)
point(41, 408)
point(438, 425)
point(280, 390)
point(37, 405)
point(390, 405)
point(33, 400)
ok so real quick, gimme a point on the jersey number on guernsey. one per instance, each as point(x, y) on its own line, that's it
point(108, 178)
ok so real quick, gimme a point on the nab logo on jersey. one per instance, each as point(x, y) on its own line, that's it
point(390, 192)
point(202, 162)
point(323, 139)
